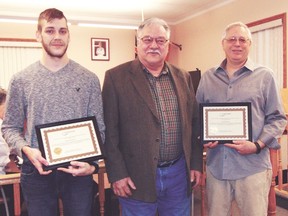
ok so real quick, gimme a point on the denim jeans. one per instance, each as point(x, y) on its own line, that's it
point(41, 192)
point(172, 199)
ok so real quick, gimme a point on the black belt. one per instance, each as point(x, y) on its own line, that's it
point(169, 163)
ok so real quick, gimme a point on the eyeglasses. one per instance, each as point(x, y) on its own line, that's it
point(234, 40)
point(149, 40)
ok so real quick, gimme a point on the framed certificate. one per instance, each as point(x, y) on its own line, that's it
point(62, 142)
point(224, 122)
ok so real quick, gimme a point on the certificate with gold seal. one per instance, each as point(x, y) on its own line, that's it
point(62, 142)
point(224, 122)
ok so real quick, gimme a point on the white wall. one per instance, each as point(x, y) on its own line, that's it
point(121, 44)
point(201, 36)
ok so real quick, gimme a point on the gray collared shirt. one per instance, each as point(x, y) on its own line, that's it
point(252, 83)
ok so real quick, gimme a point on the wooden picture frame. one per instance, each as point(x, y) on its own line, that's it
point(100, 49)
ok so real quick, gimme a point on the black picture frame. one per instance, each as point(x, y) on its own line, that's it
point(225, 122)
point(53, 141)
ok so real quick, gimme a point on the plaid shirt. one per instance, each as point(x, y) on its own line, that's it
point(166, 101)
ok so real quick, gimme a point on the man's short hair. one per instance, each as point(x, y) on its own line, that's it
point(48, 15)
point(154, 20)
point(3, 94)
point(240, 24)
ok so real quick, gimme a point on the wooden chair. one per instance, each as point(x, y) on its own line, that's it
point(281, 189)
point(272, 194)
point(203, 186)
point(4, 200)
point(11, 167)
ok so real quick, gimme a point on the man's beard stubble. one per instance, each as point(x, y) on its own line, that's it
point(48, 51)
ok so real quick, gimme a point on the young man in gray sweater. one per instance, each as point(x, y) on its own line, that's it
point(51, 90)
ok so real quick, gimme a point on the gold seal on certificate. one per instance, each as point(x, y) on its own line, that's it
point(62, 142)
point(224, 122)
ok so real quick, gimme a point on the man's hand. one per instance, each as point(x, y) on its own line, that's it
point(195, 178)
point(78, 168)
point(123, 187)
point(35, 157)
point(244, 147)
point(211, 145)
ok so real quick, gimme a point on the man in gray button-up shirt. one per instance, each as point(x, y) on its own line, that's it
point(242, 170)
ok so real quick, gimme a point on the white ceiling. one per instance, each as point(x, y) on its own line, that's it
point(116, 12)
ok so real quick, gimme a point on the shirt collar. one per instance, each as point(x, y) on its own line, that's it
point(165, 70)
point(248, 66)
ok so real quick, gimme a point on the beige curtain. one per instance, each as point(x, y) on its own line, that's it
point(15, 57)
point(267, 49)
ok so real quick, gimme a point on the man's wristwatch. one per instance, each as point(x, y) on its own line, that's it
point(258, 147)
point(95, 164)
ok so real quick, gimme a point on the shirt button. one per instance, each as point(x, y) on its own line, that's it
point(158, 140)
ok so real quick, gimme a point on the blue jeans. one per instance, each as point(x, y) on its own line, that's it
point(172, 199)
point(41, 192)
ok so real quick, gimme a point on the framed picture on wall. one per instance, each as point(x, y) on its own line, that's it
point(100, 49)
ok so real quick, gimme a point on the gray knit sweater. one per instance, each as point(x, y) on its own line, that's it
point(40, 96)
